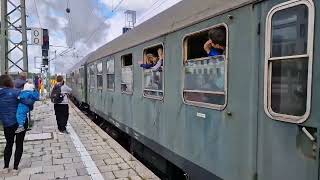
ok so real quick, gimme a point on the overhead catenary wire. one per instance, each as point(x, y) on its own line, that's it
point(72, 48)
point(37, 12)
point(151, 10)
point(118, 5)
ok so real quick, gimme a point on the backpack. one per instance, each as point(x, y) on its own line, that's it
point(56, 95)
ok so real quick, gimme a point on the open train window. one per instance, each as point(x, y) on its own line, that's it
point(110, 74)
point(92, 76)
point(127, 74)
point(288, 64)
point(153, 71)
point(99, 76)
point(205, 68)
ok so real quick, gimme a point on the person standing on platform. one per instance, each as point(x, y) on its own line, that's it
point(8, 109)
point(59, 96)
point(36, 82)
point(19, 83)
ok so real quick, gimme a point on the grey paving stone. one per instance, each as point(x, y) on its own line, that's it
point(66, 155)
point(135, 178)
point(76, 159)
point(108, 176)
point(61, 161)
point(80, 178)
point(113, 161)
point(108, 168)
point(123, 166)
point(41, 163)
point(53, 168)
point(26, 177)
point(30, 171)
point(74, 166)
point(114, 155)
point(42, 176)
point(100, 163)
point(82, 172)
point(59, 151)
point(65, 174)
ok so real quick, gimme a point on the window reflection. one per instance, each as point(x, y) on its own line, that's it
point(289, 87)
point(152, 80)
point(205, 75)
point(290, 31)
point(126, 79)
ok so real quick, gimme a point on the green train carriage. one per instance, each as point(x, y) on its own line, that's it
point(248, 114)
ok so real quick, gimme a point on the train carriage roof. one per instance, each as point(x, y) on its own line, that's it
point(184, 13)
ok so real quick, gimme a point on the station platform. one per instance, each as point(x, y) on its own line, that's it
point(86, 153)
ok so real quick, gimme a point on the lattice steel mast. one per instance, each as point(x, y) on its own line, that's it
point(13, 48)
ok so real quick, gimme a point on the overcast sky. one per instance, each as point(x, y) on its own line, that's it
point(90, 24)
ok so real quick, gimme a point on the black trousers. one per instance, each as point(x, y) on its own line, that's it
point(62, 115)
point(9, 133)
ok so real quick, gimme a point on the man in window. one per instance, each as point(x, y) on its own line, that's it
point(217, 42)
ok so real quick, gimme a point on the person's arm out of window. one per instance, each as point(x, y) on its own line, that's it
point(208, 46)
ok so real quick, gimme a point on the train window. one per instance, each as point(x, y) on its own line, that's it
point(153, 71)
point(127, 74)
point(72, 78)
point(76, 74)
point(205, 66)
point(110, 74)
point(91, 75)
point(81, 74)
point(289, 61)
point(99, 76)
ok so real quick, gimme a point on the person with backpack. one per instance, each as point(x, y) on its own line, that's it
point(59, 96)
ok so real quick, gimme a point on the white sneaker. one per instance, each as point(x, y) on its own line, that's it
point(15, 171)
point(4, 171)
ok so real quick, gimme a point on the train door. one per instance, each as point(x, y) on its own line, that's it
point(287, 124)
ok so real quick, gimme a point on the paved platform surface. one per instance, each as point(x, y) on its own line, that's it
point(86, 153)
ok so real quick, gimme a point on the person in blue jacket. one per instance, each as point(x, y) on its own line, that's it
point(8, 111)
point(27, 98)
point(217, 42)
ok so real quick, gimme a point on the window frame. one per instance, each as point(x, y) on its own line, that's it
point(99, 74)
point(127, 92)
point(268, 58)
point(81, 75)
point(94, 74)
point(114, 74)
point(185, 59)
point(160, 98)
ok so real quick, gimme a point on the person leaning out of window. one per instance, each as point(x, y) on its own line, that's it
point(153, 62)
point(216, 44)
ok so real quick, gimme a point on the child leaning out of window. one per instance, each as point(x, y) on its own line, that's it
point(153, 62)
point(217, 42)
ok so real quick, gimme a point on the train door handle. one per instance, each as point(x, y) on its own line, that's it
point(308, 134)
